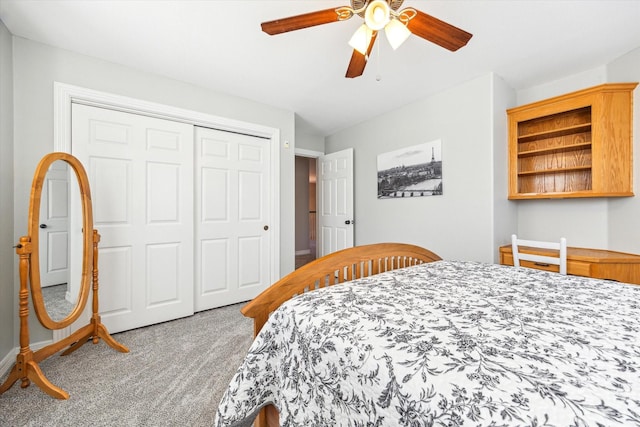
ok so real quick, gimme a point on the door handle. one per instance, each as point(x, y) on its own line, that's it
point(43, 225)
point(266, 227)
point(349, 221)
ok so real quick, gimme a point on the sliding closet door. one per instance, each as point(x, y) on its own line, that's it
point(141, 175)
point(233, 224)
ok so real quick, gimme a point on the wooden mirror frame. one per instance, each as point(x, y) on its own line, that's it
point(26, 367)
point(34, 232)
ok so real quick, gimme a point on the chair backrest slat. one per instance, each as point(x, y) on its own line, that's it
point(522, 248)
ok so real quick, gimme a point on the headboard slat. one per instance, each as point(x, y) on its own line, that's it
point(337, 267)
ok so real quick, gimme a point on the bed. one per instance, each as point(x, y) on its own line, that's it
point(410, 339)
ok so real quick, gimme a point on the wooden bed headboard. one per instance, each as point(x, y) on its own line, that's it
point(337, 267)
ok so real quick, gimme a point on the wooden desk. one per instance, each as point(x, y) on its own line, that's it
point(597, 263)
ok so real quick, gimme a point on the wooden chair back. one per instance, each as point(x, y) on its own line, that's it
point(559, 258)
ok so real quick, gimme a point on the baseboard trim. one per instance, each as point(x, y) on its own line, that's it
point(303, 252)
point(9, 359)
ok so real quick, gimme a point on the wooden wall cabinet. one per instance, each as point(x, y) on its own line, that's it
point(574, 145)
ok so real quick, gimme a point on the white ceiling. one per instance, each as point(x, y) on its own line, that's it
point(219, 45)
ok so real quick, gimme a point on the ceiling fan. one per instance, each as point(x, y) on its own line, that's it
point(377, 14)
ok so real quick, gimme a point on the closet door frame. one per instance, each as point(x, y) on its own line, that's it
point(64, 95)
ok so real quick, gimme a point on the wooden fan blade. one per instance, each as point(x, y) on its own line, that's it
point(299, 22)
point(359, 61)
point(438, 32)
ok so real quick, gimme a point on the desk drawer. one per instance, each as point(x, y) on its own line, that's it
point(579, 268)
point(540, 266)
point(507, 259)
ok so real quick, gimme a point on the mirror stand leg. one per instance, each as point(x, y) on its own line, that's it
point(26, 367)
point(107, 338)
point(27, 370)
point(14, 376)
point(35, 374)
point(98, 330)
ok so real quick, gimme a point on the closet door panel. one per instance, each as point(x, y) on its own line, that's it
point(141, 175)
point(232, 217)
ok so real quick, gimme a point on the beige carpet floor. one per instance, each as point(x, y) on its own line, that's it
point(174, 375)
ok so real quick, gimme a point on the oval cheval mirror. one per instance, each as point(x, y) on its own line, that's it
point(58, 265)
point(60, 248)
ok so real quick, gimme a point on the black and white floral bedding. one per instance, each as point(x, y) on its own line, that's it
point(448, 344)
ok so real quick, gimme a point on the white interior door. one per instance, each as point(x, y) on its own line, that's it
point(54, 226)
point(233, 220)
point(141, 176)
point(335, 201)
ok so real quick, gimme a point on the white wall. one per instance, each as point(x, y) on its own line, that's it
point(37, 66)
point(8, 258)
point(457, 225)
point(307, 136)
point(624, 213)
point(505, 212)
point(567, 84)
point(606, 223)
point(307, 141)
point(471, 122)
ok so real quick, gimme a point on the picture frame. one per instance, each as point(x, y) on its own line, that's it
point(414, 171)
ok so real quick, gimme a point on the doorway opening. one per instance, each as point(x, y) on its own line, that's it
point(306, 228)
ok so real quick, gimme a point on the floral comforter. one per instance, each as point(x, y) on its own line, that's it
point(448, 344)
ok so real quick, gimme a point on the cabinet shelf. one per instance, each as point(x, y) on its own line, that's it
point(561, 149)
point(554, 133)
point(574, 145)
point(555, 170)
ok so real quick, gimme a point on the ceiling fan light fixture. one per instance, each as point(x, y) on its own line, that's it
point(377, 15)
point(361, 39)
point(396, 33)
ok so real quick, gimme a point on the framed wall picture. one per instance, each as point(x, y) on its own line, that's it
point(411, 172)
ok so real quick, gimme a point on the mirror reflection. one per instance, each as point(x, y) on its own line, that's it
point(60, 231)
